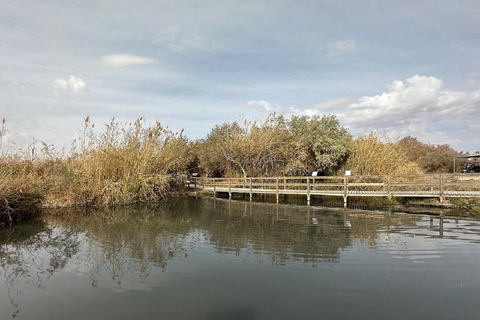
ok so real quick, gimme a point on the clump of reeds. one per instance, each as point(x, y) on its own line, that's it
point(374, 155)
point(20, 194)
point(126, 163)
point(18, 189)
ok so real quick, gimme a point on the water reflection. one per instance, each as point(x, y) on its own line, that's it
point(110, 245)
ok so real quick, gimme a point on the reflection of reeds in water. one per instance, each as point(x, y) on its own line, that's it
point(108, 244)
point(31, 253)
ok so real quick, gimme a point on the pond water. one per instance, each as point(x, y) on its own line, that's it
point(223, 259)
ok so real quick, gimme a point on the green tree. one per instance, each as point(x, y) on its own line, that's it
point(321, 144)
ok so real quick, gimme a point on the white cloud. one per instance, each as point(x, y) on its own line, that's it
point(417, 107)
point(262, 104)
point(73, 85)
point(123, 60)
point(343, 46)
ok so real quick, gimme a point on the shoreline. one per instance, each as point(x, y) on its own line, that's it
point(461, 208)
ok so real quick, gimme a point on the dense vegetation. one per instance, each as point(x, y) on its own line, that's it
point(126, 163)
point(274, 147)
point(140, 162)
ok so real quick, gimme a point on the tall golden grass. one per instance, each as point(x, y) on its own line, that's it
point(19, 190)
point(126, 163)
point(372, 154)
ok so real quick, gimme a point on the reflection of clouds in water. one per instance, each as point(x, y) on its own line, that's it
point(428, 239)
point(418, 258)
point(407, 243)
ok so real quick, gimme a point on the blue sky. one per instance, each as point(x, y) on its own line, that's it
point(400, 67)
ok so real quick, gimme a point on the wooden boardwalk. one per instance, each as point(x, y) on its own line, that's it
point(439, 186)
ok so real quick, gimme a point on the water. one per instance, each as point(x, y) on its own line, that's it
point(220, 259)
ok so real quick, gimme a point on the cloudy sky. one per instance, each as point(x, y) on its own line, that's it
point(401, 67)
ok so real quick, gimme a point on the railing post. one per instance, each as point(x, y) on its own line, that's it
point(251, 192)
point(308, 190)
point(214, 187)
point(442, 198)
point(277, 188)
point(389, 186)
point(230, 188)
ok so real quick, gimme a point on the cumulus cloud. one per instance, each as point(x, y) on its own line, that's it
point(73, 85)
point(419, 107)
point(262, 104)
point(343, 46)
point(123, 60)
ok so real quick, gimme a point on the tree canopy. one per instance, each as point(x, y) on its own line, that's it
point(429, 157)
point(275, 147)
point(321, 144)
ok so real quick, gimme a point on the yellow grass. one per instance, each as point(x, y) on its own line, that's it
point(126, 163)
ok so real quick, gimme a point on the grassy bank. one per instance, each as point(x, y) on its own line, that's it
point(125, 163)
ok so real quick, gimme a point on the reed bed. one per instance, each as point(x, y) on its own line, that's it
point(19, 190)
point(124, 163)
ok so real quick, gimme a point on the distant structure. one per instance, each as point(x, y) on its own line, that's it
point(472, 164)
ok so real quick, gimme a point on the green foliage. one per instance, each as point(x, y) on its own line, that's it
point(275, 147)
point(321, 144)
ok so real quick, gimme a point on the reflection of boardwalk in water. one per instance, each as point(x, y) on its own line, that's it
point(439, 186)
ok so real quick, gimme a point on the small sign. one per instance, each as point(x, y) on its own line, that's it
point(314, 173)
point(348, 173)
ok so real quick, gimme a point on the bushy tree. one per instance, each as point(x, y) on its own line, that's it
point(321, 144)
point(430, 158)
point(247, 148)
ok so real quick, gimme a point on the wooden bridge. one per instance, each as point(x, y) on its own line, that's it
point(439, 186)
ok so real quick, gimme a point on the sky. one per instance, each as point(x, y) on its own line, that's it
point(404, 68)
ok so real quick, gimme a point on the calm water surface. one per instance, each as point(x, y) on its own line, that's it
point(220, 259)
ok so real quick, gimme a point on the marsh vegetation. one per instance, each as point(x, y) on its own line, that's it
point(132, 162)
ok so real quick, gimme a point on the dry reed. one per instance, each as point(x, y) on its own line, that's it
point(126, 163)
point(372, 156)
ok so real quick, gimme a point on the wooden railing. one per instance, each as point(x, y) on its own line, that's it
point(428, 185)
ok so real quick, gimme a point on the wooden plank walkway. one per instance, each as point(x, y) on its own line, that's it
point(425, 186)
